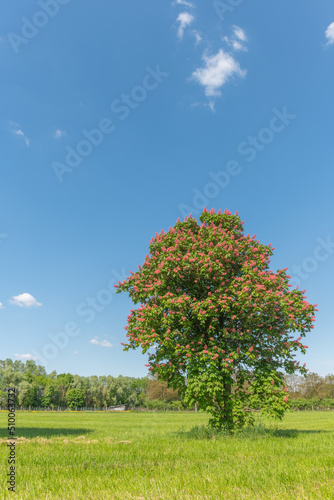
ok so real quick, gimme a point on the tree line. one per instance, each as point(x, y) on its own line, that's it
point(37, 389)
point(311, 392)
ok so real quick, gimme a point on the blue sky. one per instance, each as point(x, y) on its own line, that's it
point(119, 117)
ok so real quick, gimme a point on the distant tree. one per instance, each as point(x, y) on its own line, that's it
point(294, 384)
point(312, 384)
point(218, 317)
point(24, 394)
point(158, 389)
point(53, 375)
point(63, 383)
point(65, 379)
point(3, 389)
point(75, 398)
point(328, 383)
point(11, 377)
point(95, 395)
point(33, 396)
point(139, 388)
point(50, 396)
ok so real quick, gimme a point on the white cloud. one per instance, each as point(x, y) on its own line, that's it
point(1, 305)
point(75, 352)
point(197, 36)
point(198, 104)
point(18, 131)
point(237, 40)
point(59, 133)
point(329, 33)
point(103, 343)
point(26, 356)
point(217, 71)
point(185, 19)
point(239, 33)
point(237, 45)
point(212, 106)
point(184, 2)
point(24, 300)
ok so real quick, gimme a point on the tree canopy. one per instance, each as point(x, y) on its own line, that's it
point(222, 323)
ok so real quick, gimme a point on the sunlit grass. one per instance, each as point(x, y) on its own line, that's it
point(169, 456)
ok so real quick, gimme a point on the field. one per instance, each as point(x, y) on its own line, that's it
point(69, 456)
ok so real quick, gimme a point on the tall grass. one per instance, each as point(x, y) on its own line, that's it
point(67, 456)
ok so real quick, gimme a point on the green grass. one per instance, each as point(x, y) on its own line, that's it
point(67, 456)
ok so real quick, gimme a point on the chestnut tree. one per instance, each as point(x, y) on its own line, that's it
point(225, 327)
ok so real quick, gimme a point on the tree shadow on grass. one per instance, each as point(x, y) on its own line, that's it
point(293, 433)
point(46, 432)
point(256, 432)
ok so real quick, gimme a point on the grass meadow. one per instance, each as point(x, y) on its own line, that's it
point(69, 456)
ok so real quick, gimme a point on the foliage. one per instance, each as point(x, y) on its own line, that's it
point(313, 385)
point(50, 396)
point(219, 319)
point(163, 405)
point(312, 404)
point(75, 398)
point(37, 389)
point(305, 392)
point(158, 389)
